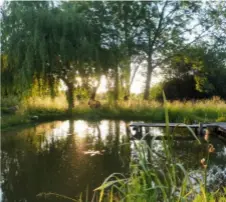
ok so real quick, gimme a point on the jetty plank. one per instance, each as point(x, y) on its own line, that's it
point(218, 126)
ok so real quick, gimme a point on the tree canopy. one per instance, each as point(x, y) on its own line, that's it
point(43, 43)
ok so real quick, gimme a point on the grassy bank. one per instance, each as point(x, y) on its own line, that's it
point(47, 109)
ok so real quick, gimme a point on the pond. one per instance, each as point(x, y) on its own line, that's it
point(75, 156)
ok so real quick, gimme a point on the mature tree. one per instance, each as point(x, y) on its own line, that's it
point(127, 16)
point(213, 73)
point(119, 28)
point(49, 42)
point(162, 29)
point(17, 45)
point(111, 41)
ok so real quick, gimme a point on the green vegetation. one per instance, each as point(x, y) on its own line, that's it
point(47, 109)
point(47, 44)
point(44, 44)
point(151, 182)
point(167, 180)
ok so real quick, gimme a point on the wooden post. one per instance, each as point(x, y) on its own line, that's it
point(196, 131)
point(200, 129)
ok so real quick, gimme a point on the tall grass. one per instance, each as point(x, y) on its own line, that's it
point(178, 111)
point(147, 182)
point(51, 109)
point(165, 182)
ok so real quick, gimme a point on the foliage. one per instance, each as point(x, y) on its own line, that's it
point(44, 43)
point(51, 48)
point(156, 91)
point(196, 72)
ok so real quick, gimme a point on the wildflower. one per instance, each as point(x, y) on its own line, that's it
point(211, 149)
point(206, 137)
point(203, 163)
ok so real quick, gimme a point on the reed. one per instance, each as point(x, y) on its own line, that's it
point(150, 182)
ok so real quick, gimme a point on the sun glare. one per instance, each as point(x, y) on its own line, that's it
point(137, 86)
point(103, 85)
point(80, 128)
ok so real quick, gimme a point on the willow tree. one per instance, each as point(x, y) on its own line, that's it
point(49, 42)
point(19, 64)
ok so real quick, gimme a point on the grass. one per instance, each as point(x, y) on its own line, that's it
point(56, 109)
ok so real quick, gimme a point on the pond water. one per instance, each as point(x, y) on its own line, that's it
point(74, 156)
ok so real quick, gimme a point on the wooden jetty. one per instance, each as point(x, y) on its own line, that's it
point(218, 127)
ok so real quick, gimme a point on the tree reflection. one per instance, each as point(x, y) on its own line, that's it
point(36, 160)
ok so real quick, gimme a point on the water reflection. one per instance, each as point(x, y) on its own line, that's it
point(69, 157)
point(51, 158)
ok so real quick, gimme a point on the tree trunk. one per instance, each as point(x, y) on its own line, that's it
point(127, 78)
point(148, 79)
point(94, 91)
point(70, 97)
point(116, 93)
point(128, 59)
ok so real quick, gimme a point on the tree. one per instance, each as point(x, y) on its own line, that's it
point(56, 43)
point(162, 30)
point(17, 45)
point(126, 17)
point(119, 28)
point(78, 42)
